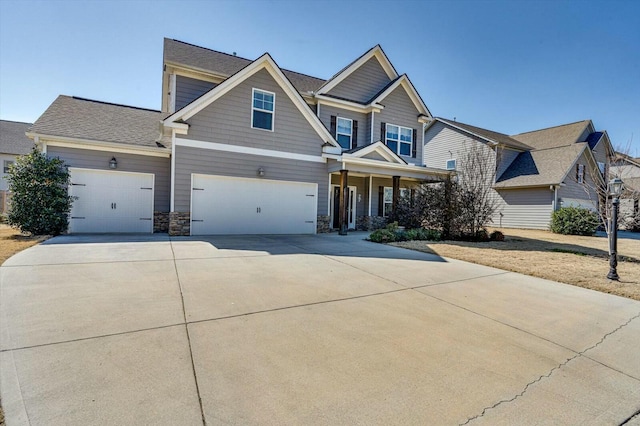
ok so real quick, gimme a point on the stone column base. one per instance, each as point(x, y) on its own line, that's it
point(323, 224)
point(180, 223)
point(160, 222)
point(371, 223)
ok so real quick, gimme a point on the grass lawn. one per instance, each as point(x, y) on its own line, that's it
point(575, 260)
point(11, 242)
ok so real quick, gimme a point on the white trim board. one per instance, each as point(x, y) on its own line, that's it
point(91, 145)
point(189, 143)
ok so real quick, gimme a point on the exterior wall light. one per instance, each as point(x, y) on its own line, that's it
point(113, 164)
point(261, 171)
point(615, 190)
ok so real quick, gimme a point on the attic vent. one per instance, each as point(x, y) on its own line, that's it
point(234, 54)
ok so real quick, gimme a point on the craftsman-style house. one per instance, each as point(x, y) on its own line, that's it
point(243, 147)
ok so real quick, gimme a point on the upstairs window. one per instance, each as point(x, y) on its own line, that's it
point(6, 165)
point(262, 109)
point(399, 139)
point(451, 164)
point(603, 168)
point(580, 173)
point(344, 130)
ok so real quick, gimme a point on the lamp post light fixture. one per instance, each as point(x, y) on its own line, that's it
point(615, 190)
point(113, 164)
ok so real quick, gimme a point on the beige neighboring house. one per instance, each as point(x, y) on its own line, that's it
point(627, 168)
point(13, 142)
point(536, 172)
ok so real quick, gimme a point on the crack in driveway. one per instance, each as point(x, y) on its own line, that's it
point(528, 385)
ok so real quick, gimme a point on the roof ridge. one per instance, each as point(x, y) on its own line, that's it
point(550, 127)
point(558, 147)
point(471, 125)
point(112, 103)
point(18, 122)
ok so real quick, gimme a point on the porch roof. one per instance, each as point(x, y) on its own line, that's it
point(382, 168)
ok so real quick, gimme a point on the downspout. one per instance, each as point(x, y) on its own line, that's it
point(555, 197)
point(173, 169)
point(372, 119)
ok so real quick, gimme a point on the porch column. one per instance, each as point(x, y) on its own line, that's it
point(344, 202)
point(396, 194)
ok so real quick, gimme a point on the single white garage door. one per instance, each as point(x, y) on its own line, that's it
point(222, 205)
point(111, 202)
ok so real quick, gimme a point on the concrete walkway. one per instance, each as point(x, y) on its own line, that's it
point(302, 330)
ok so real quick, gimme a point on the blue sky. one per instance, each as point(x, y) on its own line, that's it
point(509, 66)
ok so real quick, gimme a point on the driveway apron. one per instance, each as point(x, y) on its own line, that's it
point(322, 329)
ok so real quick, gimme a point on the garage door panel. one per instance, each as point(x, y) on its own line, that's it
point(111, 202)
point(222, 205)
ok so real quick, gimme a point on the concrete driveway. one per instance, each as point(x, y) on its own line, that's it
point(302, 330)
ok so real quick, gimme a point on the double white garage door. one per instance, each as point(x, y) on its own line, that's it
point(225, 205)
point(111, 201)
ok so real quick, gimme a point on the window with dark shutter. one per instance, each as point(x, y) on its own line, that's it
point(333, 126)
point(380, 200)
point(383, 132)
point(414, 148)
point(354, 134)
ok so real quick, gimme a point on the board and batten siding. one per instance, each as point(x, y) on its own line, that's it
point(188, 89)
point(400, 110)
point(327, 111)
point(89, 159)
point(228, 121)
point(209, 162)
point(444, 143)
point(524, 208)
point(362, 84)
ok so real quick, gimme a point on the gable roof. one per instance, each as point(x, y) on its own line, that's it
point(79, 118)
point(403, 81)
point(488, 135)
point(224, 65)
point(541, 167)
point(553, 137)
point(266, 62)
point(13, 139)
point(377, 52)
point(379, 148)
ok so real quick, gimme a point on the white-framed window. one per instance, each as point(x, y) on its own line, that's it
point(399, 139)
point(344, 132)
point(6, 165)
point(451, 164)
point(387, 201)
point(262, 109)
point(580, 173)
point(602, 167)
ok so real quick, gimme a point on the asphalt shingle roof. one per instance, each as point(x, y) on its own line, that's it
point(541, 167)
point(179, 52)
point(553, 137)
point(489, 134)
point(100, 121)
point(13, 139)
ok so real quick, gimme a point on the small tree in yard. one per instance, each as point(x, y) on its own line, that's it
point(40, 203)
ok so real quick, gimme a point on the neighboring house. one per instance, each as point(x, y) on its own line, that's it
point(627, 168)
point(535, 172)
point(13, 143)
point(243, 147)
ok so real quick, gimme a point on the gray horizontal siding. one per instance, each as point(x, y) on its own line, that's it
point(327, 111)
point(189, 89)
point(363, 83)
point(228, 121)
point(524, 208)
point(160, 167)
point(203, 161)
point(443, 143)
point(399, 110)
point(573, 193)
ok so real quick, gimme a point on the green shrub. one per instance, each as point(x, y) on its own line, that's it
point(574, 221)
point(40, 203)
point(428, 234)
point(382, 236)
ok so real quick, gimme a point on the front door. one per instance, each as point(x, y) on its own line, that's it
point(351, 207)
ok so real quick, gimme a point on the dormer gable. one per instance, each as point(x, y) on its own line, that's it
point(361, 80)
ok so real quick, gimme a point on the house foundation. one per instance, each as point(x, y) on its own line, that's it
point(160, 222)
point(180, 223)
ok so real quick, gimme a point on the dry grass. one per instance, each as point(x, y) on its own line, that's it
point(579, 261)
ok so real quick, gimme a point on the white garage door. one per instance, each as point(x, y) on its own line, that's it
point(222, 205)
point(111, 201)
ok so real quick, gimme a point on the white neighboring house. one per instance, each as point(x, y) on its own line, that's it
point(535, 172)
point(13, 142)
point(627, 168)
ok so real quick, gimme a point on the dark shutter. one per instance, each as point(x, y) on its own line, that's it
point(383, 132)
point(354, 134)
point(333, 126)
point(414, 148)
point(577, 171)
point(380, 200)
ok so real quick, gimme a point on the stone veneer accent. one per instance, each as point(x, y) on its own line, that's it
point(179, 223)
point(160, 222)
point(323, 224)
point(370, 223)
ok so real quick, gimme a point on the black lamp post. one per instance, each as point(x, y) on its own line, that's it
point(615, 190)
